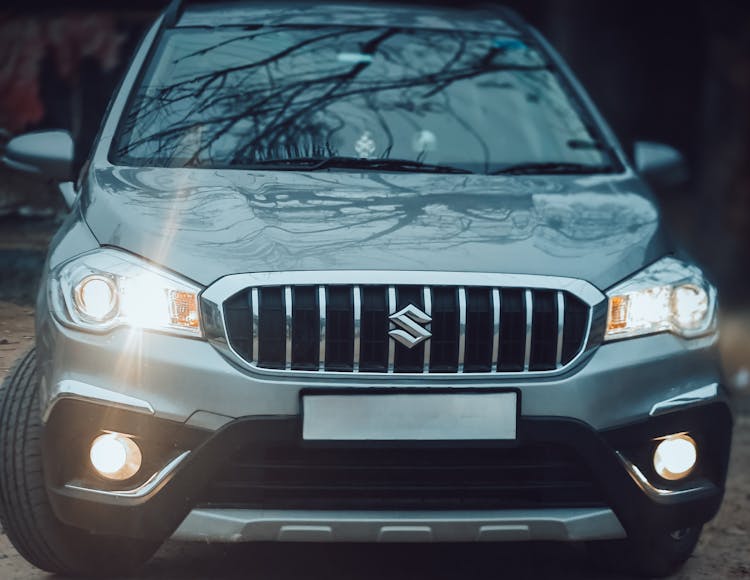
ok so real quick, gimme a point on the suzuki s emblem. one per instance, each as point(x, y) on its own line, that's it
point(410, 332)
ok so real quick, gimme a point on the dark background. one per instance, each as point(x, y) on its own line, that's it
point(677, 72)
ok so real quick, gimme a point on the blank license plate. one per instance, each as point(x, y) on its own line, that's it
point(413, 417)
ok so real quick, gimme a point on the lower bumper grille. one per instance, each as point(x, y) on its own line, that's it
point(292, 477)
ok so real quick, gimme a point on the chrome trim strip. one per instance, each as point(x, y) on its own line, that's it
point(256, 324)
point(227, 286)
point(246, 525)
point(322, 315)
point(357, 299)
point(495, 329)
point(428, 311)
point(150, 487)
point(288, 329)
point(690, 398)
point(529, 308)
point(72, 389)
point(655, 493)
point(560, 328)
point(461, 328)
point(391, 326)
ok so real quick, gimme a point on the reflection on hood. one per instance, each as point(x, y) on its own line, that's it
point(206, 224)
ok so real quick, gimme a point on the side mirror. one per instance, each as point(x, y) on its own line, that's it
point(47, 154)
point(660, 164)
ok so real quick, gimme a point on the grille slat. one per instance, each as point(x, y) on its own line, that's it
point(441, 329)
point(428, 326)
point(391, 343)
point(461, 328)
point(374, 335)
point(409, 360)
point(445, 331)
point(357, 326)
point(495, 329)
point(479, 331)
point(288, 329)
point(560, 327)
point(576, 323)
point(528, 305)
point(255, 309)
point(544, 331)
point(512, 331)
point(339, 329)
point(322, 328)
point(271, 329)
point(305, 330)
point(238, 315)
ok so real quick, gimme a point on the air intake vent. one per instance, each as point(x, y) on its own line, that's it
point(292, 477)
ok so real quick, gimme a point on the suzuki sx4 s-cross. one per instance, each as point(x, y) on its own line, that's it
point(354, 273)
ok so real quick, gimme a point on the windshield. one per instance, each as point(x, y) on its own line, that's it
point(286, 97)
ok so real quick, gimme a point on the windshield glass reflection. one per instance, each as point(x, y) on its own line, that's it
point(288, 97)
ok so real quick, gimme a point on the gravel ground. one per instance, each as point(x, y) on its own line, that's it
point(723, 552)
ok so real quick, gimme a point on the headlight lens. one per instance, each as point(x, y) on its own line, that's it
point(668, 296)
point(108, 288)
point(95, 297)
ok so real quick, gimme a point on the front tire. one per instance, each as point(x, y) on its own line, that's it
point(25, 512)
point(652, 556)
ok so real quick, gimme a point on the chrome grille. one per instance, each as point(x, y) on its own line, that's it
point(345, 328)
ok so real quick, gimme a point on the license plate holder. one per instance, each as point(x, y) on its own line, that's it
point(406, 416)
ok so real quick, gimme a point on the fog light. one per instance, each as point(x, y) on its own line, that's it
point(115, 456)
point(675, 456)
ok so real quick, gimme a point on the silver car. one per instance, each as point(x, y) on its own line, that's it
point(359, 274)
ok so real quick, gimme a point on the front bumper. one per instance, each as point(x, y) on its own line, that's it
point(161, 504)
point(197, 409)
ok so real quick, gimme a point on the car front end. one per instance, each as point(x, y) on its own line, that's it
point(234, 347)
point(291, 417)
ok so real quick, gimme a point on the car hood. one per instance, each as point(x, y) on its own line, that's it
point(206, 224)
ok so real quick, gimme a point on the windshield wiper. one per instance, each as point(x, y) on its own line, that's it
point(316, 163)
point(553, 167)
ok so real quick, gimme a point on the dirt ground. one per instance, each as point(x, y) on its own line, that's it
point(723, 552)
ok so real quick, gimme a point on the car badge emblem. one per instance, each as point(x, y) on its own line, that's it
point(411, 331)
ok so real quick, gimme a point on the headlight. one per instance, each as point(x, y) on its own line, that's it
point(108, 288)
point(668, 296)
